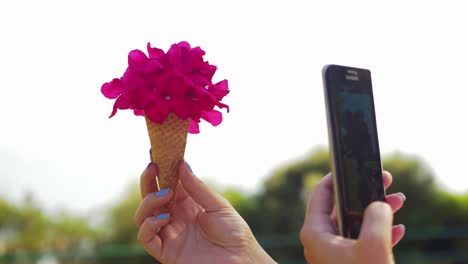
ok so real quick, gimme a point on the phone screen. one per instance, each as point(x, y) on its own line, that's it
point(356, 131)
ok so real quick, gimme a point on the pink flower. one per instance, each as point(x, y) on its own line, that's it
point(160, 83)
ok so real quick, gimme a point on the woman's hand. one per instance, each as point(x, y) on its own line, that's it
point(320, 238)
point(203, 227)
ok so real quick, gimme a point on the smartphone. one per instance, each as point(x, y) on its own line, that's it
point(354, 145)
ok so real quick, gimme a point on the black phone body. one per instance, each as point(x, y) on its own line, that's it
point(354, 148)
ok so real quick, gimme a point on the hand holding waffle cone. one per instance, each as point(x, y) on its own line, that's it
point(173, 90)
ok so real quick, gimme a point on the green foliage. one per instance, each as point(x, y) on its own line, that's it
point(28, 228)
point(280, 206)
point(436, 220)
point(284, 195)
point(119, 227)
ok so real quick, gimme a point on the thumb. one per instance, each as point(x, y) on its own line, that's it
point(376, 232)
point(199, 192)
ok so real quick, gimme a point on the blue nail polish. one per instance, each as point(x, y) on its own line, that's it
point(162, 216)
point(188, 167)
point(162, 192)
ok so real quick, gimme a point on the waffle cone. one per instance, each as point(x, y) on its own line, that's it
point(168, 142)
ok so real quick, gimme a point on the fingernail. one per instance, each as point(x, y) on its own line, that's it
point(162, 192)
point(188, 167)
point(402, 227)
point(149, 164)
point(162, 216)
point(402, 195)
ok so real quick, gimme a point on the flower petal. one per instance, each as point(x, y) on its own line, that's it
point(207, 71)
point(183, 44)
point(138, 112)
point(219, 90)
point(181, 107)
point(221, 106)
point(121, 103)
point(158, 111)
point(134, 80)
point(196, 57)
point(112, 89)
point(213, 117)
point(177, 86)
point(179, 56)
point(152, 67)
point(154, 53)
point(114, 111)
point(205, 99)
point(137, 60)
point(174, 55)
point(193, 127)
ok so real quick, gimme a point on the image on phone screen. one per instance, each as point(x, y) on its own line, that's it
point(360, 152)
point(354, 144)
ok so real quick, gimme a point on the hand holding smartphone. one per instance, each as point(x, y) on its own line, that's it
point(354, 146)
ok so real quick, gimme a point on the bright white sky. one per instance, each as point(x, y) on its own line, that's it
point(56, 139)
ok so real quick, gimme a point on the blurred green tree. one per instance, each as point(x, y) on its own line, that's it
point(26, 227)
point(276, 213)
point(119, 227)
point(436, 220)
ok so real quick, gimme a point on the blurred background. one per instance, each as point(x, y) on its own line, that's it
point(69, 175)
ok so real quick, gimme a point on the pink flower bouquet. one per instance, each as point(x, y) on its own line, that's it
point(174, 91)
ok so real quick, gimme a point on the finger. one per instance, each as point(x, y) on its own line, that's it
point(320, 206)
point(322, 197)
point(147, 235)
point(181, 193)
point(321, 200)
point(148, 180)
point(396, 201)
point(398, 232)
point(199, 192)
point(376, 230)
point(152, 204)
point(387, 179)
